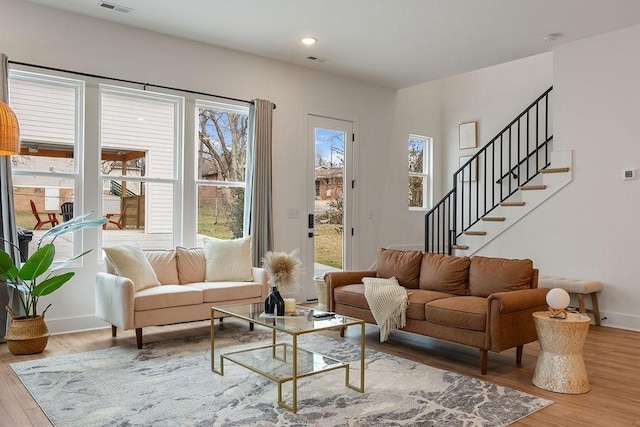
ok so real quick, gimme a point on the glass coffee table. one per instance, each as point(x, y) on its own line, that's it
point(283, 361)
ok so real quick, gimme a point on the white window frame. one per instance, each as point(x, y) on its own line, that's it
point(229, 108)
point(427, 171)
point(78, 143)
point(178, 103)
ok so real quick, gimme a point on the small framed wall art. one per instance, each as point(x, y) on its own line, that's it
point(468, 135)
point(470, 172)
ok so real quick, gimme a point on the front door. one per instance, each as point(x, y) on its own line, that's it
point(330, 194)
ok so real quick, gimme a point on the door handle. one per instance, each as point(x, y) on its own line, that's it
point(311, 222)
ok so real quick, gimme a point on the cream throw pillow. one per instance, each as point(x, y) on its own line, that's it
point(228, 260)
point(164, 264)
point(129, 261)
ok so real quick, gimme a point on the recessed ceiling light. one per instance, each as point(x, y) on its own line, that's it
point(309, 40)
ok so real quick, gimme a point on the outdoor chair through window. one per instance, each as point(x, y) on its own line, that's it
point(66, 209)
point(53, 220)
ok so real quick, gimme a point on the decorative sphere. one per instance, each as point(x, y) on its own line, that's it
point(558, 299)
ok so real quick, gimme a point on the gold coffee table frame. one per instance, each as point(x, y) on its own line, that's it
point(284, 362)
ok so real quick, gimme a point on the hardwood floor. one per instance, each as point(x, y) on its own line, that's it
point(611, 356)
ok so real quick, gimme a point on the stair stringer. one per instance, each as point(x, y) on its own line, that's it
point(533, 198)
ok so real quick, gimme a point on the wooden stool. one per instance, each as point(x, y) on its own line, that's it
point(578, 287)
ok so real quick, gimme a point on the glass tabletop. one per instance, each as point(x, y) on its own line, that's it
point(300, 322)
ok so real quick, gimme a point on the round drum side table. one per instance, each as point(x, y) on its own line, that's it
point(560, 366)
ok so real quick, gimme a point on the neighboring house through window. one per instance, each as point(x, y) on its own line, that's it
point(47, 170)
point(140, 136)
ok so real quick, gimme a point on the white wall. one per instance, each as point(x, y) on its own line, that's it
point(493, 97)
point(35, 34)
point(418, 111)
point(590, 229)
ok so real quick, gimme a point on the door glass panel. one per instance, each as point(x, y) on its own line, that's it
point(329, 201)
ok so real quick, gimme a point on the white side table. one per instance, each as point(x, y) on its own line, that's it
point(560, 366)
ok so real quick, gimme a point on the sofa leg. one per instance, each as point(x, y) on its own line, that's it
point(139, 337)
point(342, 332)
point(519, 354)
point(114, 331)
point(483, 361)
point(251, 326)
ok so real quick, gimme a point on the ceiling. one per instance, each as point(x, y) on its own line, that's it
point(390, 43)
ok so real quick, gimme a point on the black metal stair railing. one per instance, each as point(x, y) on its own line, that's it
point(510, 160)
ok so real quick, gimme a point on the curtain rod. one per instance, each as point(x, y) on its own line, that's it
point(144, 85)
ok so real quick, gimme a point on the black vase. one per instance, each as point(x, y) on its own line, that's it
point(274, 304)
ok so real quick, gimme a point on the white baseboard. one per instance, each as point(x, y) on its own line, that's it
point(87, 323)
point(75, 324)
point(620, 321)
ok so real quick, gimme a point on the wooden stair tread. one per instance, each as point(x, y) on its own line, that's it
point(532, 187)
point(555, 170)
point(512, 204)
point(461, 247)
point(475, 233)
point(493, 218)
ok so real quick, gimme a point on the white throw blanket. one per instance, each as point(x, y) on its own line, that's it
point(388, 303)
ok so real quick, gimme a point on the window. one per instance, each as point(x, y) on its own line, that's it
point(221, 169)
point(420, 172)
point(139, 141)
point(46, 172)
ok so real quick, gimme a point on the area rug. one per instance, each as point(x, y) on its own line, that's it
point(169, 383)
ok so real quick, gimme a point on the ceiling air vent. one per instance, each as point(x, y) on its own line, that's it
point(115, 7)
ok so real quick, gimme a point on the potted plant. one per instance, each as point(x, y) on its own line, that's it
point(28, 334)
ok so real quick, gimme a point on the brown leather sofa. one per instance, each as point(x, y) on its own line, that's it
point(481, 302)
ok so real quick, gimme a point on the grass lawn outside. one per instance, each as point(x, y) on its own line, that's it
point(328, 244)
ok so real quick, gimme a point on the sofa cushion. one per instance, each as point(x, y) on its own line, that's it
point(164, 264)
point(465, 312)
point(228, 291)
point(166, 296)
point(228, 260)
point(128, 260)
point(445, 273)
point(191, 265)
point(352, 295)
point(491, 275)
point(403, 265)
point(418, 299)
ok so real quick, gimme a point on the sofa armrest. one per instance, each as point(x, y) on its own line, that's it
point(115, 300)
point(260, 276)
point(335, 279)
point(512, 301)
point(510, 318)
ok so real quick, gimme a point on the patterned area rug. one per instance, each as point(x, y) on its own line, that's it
point(169, 383)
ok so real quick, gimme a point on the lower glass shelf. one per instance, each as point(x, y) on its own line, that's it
point(276, 361)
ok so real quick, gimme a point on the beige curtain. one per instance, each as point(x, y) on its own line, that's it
point(8, 229)
point(258, 209)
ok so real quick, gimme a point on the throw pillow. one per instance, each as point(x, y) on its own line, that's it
point(491, 275)
point(164, 264)
point(445, 273)
point(129, 261)
point(403, 265)
point(191, 265)
point(228, 260)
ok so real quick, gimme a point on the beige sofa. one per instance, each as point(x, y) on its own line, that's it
point(481, 302)
point(180, 294)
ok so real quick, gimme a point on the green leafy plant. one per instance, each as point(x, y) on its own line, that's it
point(26, 278)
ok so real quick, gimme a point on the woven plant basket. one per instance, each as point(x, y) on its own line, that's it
point(27, 335)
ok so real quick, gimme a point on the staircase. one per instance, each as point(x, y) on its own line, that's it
point(505, 180)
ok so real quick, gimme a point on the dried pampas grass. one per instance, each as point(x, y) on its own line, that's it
point(283, 269)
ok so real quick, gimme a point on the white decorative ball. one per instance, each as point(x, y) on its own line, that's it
point(558, 299)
